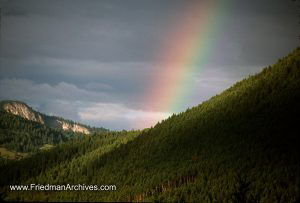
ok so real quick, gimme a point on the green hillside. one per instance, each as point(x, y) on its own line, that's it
point(240, 146)
point(22, 135)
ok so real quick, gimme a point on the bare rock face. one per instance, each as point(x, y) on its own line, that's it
point(24, 111)
point(21, 109)
point(73, 127)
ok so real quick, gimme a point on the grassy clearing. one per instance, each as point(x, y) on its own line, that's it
point(12, 155)
point(46, 147)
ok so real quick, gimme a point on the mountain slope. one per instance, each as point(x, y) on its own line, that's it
point(239, 146)
point(21, 109)
point(22, 135)
point(25, 130)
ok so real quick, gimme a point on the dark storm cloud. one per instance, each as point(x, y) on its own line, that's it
point(68, 57)
point(97, 30)
point(257, 33)
point(14, 12)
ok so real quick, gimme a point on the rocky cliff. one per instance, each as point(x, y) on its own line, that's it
point(73, 127)
point(23, 110)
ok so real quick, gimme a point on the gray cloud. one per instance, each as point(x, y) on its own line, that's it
point(27, 89)
point(81, 105)
point(76, 29)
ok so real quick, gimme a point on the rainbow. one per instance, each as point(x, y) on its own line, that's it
point(185, 50)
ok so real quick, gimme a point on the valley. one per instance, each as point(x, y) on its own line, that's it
point(241, 145)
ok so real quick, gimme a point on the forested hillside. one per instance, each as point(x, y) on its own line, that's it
point(21, 135)
point(240, 146)
point(31, 130)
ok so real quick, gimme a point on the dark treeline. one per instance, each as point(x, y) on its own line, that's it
point(75, 148)
point(240, 146)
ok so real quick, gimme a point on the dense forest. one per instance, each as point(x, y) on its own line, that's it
point(22, 135)
point(240, 146)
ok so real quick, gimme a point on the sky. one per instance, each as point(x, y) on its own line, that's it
point(129, 64)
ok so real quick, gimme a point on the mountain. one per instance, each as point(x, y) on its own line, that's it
point(240, 146)
point(19, 135)
point(24, 130)
point(23, 110)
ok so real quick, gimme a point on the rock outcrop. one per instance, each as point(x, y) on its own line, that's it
point(21, 109)
point(73, 127)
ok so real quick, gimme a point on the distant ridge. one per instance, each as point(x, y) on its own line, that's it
point(20, 108)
